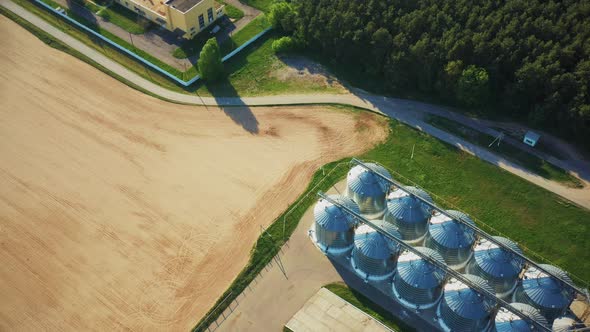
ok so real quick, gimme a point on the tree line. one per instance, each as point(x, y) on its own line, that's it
point(528, 59)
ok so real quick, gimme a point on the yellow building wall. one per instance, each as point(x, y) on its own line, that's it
point(189, 21)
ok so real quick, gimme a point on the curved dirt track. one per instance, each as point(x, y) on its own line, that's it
point(120, 211)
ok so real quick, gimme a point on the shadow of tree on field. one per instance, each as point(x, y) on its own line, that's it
point(231, 104)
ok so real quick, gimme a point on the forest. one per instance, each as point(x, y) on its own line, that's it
point(526, 60)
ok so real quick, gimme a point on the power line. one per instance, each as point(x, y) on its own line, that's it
point(437, 263)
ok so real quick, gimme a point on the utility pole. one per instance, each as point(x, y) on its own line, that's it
point(498, 138)
point(412, 156)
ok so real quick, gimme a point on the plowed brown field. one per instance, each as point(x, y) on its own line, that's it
point(119, 211)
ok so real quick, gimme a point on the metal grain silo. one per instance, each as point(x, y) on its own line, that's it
point(544, 292)
point(408, 213)
point(566, 323)
point(367, 189)
point(506, 321)
point(451, 238)
point(334, 228)
point(499, 267)
point(463, 308)
point(417, 283)
point(373, 255)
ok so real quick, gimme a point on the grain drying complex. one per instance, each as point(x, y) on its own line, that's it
point(436, 265)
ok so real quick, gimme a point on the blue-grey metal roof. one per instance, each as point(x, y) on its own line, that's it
point(408, 208)
point(373, 244)
point(506, 321)
point(451, 233)
point(496, 261)
point(467, 302)
point(419, 273)
point(332, 217)
point(544, 290)
point(362, 181)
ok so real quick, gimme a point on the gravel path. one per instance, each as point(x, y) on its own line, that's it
point(402, 110)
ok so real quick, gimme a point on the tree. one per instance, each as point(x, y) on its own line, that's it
point(473, 87)
point(381, 42)
point(282, 16)
point(209, 63)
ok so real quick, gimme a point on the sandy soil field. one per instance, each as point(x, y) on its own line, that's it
point(119, 211)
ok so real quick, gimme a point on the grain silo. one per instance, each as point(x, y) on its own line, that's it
point(374, 255)
point(463, 308)
point(451, 238)
point(507, 321)
point(408, 213)
point(498, 266)
point(566, 323)
point(417, 283)
point(334, 227)
point(544, 292)
point(367, 189)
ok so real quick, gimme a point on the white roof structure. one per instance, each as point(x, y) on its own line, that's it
point(531, 138)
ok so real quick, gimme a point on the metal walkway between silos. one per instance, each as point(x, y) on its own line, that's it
point(443, 266)
point(480, 232)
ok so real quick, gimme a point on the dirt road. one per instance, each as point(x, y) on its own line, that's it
point(120, 211)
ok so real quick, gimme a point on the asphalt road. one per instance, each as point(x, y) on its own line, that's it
point(400, 109)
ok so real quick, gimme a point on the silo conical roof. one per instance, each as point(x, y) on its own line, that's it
point(451, 233)
point(417, 272)
point(373, 244)
point(332, 217)
point(408, 213)
point(545, 292)
point(467, 302)
point(506, 321)
point(498, 262)
point(417, 283)
point(362, 181)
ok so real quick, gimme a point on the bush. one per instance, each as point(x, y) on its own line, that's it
point(209, 63)
point(283, 45)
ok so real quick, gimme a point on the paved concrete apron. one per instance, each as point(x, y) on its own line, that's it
point(326, 311)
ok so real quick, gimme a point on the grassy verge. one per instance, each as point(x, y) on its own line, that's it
point(125, 19)
point(529, 161)
point(256, 63)
point(541, 222)
point(263, 5)
point(233, 12)
point(100, 46)
point(192, 72)
point(256, 26)
point(256, 71)
point(118, 15)
point(366, 305)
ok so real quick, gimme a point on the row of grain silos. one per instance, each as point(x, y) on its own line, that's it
point(417, 284)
